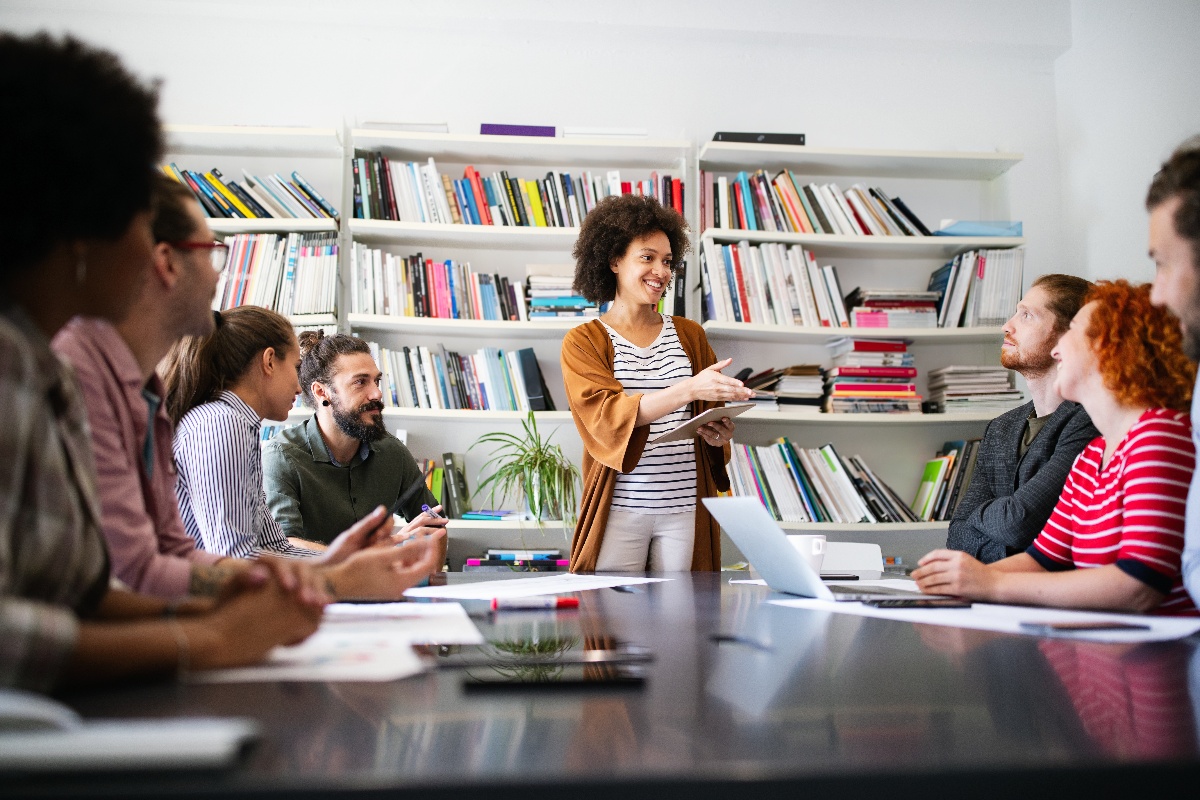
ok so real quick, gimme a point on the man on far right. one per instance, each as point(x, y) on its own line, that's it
point(1174, 205)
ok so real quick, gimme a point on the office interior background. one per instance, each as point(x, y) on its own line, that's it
point(1094, 93)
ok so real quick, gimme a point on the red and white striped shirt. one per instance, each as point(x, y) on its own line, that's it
point(1131, 512)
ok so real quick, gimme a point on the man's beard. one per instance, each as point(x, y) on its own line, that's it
point(351, 422)
point(1028, 364)
point(1191, 333)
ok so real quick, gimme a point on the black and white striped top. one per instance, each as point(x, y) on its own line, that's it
point(220, 486)
point(664, 481)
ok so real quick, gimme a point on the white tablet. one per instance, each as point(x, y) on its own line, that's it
point(688, 429)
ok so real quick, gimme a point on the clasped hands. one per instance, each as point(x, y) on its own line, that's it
point(363, 563)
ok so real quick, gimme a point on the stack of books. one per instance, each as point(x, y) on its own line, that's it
point(504, 560)
point(757, 202)
point(769, 284)
point(979, 287)
point(488, 380)
point(295, 273)
point(871, 376)
point(415, 286)
point(944, 479)
point(795, 387)
point(973, 389)
point(549, 293)
point(798, 484)
point(273, 197)
point(893, 308)
point(408, 191)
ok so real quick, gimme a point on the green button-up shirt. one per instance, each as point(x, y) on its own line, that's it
point(313, 498)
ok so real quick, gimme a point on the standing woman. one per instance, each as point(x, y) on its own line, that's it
point(1114, 540)
point(633, 374)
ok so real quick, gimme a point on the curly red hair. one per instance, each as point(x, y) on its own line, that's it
point(1139, 347)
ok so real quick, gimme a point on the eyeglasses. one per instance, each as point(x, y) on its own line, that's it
point(218, 252)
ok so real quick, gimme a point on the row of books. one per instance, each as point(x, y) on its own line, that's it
point(944, 480)
point(489, 379)
point(973, 389)
point(272, 197)
point(769, 284)
point(979, 287)
point(757, 202)
point(414, 286)
point(799, 484)
point(774, 284)
point(293, 273)
point(408, 191)
point(871, 376)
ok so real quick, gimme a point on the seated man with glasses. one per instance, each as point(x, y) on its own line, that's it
point(131, 433)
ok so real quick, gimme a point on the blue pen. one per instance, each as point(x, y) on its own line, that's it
point(425, 507)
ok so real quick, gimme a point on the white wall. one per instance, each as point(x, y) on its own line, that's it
point(936, 74)
point(1128, 93)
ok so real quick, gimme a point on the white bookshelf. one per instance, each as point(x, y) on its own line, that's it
point(936, 185)
point(463, 328)
point(229, 227)
point(831, 246)
point(492, 249)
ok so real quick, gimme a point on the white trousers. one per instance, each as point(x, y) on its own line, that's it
point(640, 542)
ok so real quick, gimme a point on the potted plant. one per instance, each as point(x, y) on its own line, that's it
point(531, 469)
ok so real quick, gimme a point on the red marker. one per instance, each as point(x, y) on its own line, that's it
point(533, 603)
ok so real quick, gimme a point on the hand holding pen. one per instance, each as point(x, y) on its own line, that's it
point(429, 522)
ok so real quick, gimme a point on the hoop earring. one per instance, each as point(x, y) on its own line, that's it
point(80, 271)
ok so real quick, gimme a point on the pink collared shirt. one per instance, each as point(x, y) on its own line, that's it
point(148, 547)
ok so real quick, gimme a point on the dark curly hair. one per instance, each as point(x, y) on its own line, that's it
point(1139, 347)
point(607, 233)
point(318, 354)
point(80, 146)
point(1180, 177)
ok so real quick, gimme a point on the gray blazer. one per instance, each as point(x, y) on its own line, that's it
point(1009, 499)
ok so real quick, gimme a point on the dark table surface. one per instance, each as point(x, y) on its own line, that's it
point(741, 695)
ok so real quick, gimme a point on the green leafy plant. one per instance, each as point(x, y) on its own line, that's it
point(529, 468)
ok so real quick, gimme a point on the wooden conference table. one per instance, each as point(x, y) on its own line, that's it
point(742, 696)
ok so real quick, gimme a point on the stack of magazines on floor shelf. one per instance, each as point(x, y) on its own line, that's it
point(500, 559)
point(892, 308)
point(798, 484)
point(871, 376)
point(944, 480)
point(971, 389)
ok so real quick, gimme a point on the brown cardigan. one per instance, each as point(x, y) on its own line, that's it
point(605, 417)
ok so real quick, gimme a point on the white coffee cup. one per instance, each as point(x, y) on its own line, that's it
point(812, 547)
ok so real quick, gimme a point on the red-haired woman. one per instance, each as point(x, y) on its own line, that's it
point(1115, 537)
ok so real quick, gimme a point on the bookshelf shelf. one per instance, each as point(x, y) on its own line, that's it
point(827, 244)
point(275, 225)
point(459, 416)
point(312, 320)
point(825, 161)
point(752, 332)
point(550, 526)
point(547, 151)
point(793, 418)
point(427, 234)
point(463, 328)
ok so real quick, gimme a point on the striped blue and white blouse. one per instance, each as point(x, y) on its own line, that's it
point(664, 480)
point(220, 487)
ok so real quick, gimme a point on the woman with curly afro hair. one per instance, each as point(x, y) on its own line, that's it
point(1115, 538)
point(631, 375)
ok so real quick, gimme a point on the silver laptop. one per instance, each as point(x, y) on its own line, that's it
point(765, 545)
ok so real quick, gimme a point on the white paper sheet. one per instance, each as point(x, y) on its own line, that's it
point(527, 587)
point(1008, 619)
point(360, 642)
point(189, 743)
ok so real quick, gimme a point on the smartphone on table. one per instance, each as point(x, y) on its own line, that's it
point(917, 602)
point(1072, 626)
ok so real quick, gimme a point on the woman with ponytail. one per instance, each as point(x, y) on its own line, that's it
point(219, 390)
